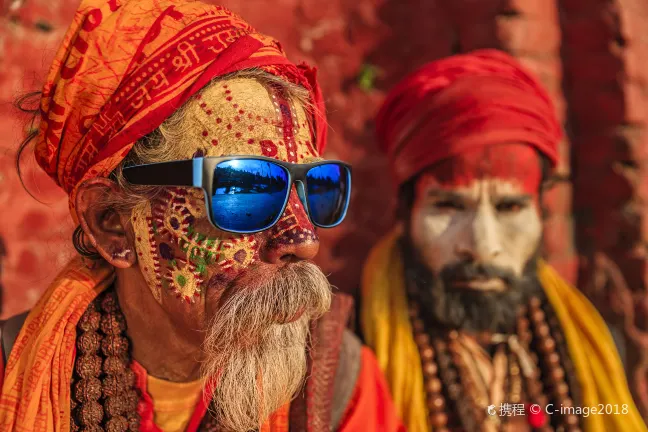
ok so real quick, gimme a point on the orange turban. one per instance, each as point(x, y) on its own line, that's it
point(127, 65)
point(464, 102)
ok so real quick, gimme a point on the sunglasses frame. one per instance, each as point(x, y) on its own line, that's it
point(199, 173)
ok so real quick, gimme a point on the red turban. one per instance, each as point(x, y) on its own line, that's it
point(464, 102)
point(125, 66)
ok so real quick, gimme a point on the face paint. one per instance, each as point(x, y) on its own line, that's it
point(481, 206)
point(294, 226)
point(475, 231)
point(512, 163)
point(179, 251)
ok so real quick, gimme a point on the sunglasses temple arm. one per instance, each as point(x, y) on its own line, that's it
point(173, 173)
point(197, 174)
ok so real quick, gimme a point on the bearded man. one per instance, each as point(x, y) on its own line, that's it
point(189, 146)
point(473, 330)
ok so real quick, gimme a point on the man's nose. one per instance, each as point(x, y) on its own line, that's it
point(293, 238)
point(482, 242)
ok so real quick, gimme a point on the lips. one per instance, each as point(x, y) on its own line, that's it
point(482, 284)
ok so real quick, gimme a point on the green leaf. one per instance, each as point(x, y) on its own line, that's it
point(367, 77)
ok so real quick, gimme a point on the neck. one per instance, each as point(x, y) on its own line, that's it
point(160, 346)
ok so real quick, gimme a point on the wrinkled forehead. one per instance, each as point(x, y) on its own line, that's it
point(243, 116)
point(514, 167)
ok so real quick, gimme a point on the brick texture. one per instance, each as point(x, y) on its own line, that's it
point(606, 93)
point(590, 54)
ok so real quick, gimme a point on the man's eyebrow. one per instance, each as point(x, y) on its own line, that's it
point(518, 198)
point(445, 194)
point(313, 159)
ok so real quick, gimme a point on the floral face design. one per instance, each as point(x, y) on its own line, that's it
point(179, 252)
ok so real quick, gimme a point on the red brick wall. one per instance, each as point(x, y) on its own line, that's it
point(593, 49)
point(36, 235)
point(605, 53)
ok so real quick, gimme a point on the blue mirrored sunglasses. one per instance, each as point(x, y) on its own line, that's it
point(248, 194)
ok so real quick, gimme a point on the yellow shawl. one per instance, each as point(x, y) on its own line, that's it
point(387, 329)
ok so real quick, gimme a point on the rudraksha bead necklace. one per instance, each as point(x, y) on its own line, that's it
point(104, 393)
point(449, 388)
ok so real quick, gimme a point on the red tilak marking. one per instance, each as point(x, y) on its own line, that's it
point(513, 162)
point(286, 122)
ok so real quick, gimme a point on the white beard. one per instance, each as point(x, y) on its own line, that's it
point(257, 364)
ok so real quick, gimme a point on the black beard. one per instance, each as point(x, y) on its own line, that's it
point(446, 308)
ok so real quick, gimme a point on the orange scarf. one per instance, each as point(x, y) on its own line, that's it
point(36, 389)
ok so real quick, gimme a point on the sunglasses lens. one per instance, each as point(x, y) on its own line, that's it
point(328, 193)
point(248, 194)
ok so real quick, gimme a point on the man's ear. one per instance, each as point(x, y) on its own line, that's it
point(104, 227)
point(405, 199)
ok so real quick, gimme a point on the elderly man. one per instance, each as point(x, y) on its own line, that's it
point(189, 146)
point(473, 330)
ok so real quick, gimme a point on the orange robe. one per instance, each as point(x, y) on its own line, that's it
point(36, 380)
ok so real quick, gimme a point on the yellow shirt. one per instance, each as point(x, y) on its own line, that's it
point(173, 403)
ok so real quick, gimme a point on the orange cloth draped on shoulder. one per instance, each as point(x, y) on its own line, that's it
point(125, 66)
point(371, 407)
point(36, 389)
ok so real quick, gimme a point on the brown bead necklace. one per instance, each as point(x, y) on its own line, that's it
point(448, 383)
point(105, 397)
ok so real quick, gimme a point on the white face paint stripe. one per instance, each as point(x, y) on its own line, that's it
point(445, 235)
point(487, 232)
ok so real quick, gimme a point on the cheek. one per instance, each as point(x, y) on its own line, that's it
point(521, 235)
point(179, 250)
point(431, 234)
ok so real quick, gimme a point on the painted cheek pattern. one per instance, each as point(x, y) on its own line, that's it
point(176, 256)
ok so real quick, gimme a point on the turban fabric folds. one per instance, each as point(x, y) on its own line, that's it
point(127, 65)
point(464, 102)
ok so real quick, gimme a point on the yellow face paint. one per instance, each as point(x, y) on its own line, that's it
point(179, 251)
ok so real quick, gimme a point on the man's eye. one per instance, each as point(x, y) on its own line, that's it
point(448, 205)
point(509, 207)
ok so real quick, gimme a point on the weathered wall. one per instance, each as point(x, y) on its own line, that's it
point(591, 55)
point(605, 52)
point(36, 235)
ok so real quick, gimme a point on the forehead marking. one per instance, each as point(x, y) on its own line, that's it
point(267, 121)
point(287, 124)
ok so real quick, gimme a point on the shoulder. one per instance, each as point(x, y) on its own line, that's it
point(344, 385)
point(371, 406)
point(9, 330)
